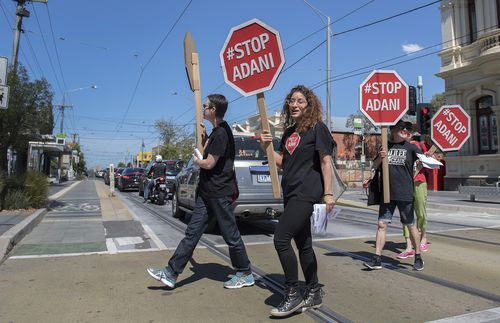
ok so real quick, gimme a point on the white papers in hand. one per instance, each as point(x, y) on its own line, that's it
point(198, 154)
point(320, 218)
point(429, 162)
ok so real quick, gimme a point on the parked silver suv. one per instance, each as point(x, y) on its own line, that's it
point(256, 200)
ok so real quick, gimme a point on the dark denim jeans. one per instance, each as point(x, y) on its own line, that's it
point(204, 209)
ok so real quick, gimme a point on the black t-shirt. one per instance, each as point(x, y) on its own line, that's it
point(401, 158)
point(158, 169)
point(302, 177)
point(219, 181)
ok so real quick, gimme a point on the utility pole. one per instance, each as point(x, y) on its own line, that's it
point(61, 107)
point(328, 64)
point(142, 151)
point(420, 87)
point(328, 75)
point(21, 12)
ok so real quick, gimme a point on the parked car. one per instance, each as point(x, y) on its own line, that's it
point(256, 199)
point(173, 168)
point(130, 178)
point(100, 173)
point(117, 175)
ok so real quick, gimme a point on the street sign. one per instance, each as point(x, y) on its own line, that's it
point(4, 96)
point(450, 127)
point(252, 57)
point(3, 70)
point(383, 97)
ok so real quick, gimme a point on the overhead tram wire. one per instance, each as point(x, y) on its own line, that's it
point(37, 63)
point(354, 29)
point(323, 28)
point(369, 68)
point(9, 26)
point(147, 63)
point(299, 41)
point(48, 55)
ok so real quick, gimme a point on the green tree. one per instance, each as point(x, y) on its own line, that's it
point(437, 101)
point(177, 142)
point(28, 115)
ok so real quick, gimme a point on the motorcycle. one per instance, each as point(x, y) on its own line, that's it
point(159, 191)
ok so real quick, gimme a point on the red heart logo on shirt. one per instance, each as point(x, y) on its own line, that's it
point(292, 142)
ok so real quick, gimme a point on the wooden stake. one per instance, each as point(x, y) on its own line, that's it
point(192, 65)
point(197, 102)
point(385, 167)
point(273, 169)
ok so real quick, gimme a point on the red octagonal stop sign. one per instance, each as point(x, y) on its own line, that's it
point(383, 97)
point(252, 57)
point(450, 127)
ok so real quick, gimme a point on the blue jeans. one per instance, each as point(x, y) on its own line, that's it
point(148, 188)
point(206, 208)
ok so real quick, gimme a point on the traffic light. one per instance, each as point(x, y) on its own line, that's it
point(424, 116)
point(412, 100)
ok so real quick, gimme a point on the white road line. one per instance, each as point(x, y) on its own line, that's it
point(154, 237)
point(63, 191)
point(87, 253)
point(110, 245)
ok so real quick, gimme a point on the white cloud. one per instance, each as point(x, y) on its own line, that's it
point(411, 48)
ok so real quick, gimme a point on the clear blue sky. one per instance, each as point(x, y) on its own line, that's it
point(107, 43)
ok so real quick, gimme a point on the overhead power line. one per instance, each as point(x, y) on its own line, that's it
point(148, 62)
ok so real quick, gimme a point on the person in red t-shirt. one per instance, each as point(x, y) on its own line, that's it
point(420, 203)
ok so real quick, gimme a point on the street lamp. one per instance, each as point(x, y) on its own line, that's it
point(63, 106)
point(328, 63)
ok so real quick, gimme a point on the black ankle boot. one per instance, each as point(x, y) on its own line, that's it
point(292, 302)
point(313, 298)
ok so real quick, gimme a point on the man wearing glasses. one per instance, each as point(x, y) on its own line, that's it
point(215, 194)
point(402, 156)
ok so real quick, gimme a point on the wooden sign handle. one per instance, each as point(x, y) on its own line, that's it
point(273, 169)
point(385, 167)
point(197, 101)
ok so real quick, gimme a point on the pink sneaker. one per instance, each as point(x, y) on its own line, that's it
point(424, 247)
point(406, 254)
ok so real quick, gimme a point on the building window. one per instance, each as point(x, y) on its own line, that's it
point(471, 9)
point(487, 126)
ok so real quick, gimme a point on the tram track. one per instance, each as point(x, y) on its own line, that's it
point(323, 314)
point(326, 314)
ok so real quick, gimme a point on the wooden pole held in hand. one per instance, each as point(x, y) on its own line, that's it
point(192, 65)
point(273, 169)
point(385, 166)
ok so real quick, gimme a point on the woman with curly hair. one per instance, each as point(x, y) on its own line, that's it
point(305, 157)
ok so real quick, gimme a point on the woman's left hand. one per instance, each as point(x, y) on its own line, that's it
point(330, 203)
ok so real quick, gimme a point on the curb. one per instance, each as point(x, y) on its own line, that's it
point(10, 238)
point(463, 208)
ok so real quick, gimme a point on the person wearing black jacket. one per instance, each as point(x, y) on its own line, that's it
point(214, 198)
point(158, 169)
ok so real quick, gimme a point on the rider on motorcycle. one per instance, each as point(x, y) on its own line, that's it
point(158, 169)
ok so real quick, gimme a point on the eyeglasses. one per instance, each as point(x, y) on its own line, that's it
point(207, 106)
point(299, 102)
